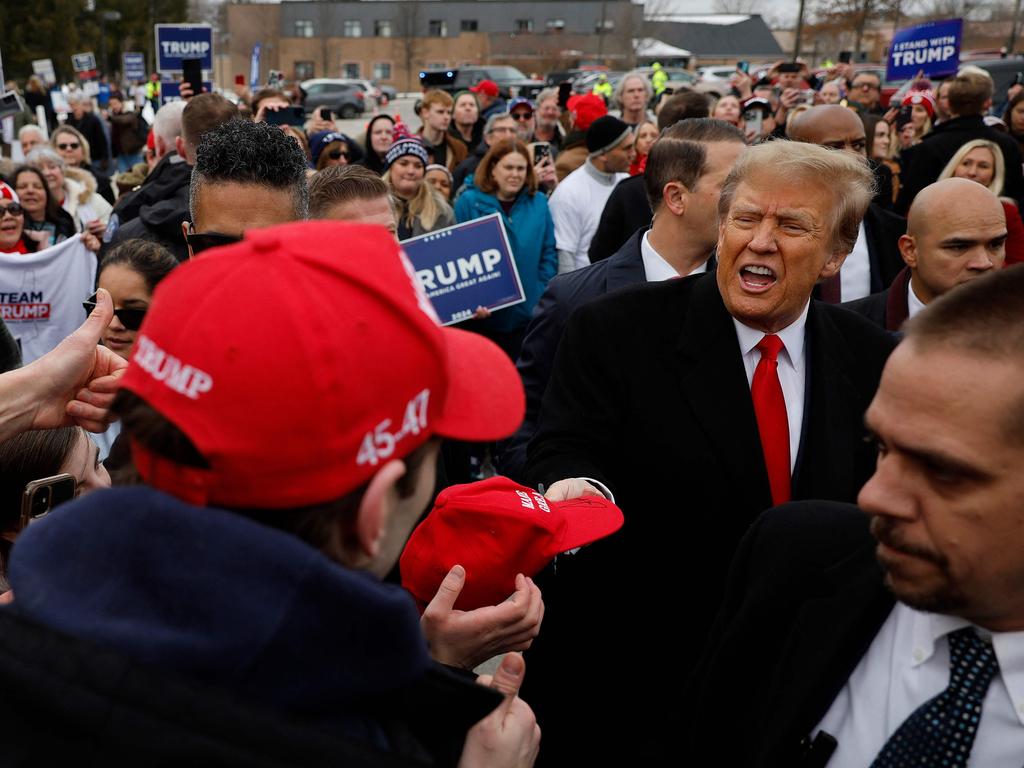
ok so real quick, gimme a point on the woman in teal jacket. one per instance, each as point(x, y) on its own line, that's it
point(505, 183)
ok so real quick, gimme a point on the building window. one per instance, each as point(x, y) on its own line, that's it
point(382, 70)
point(303, 28)
point(608, 25)
point(304, 70)
point(468, 25)
point(523, 25)
point(555, 25)
point(352, 28)
point(350, 70)
point(382, 28)
point(438, 28)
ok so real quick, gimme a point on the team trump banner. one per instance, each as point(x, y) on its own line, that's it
point(41, 294)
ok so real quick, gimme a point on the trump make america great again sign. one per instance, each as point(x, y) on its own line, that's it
point(466, 266)
point(932, 48)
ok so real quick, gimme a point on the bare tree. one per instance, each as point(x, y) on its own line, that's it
point(407, 29)
point(326, 14)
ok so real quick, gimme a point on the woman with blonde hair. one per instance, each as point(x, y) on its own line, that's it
point(72, 145)
point(982, 161)
point(421, 209)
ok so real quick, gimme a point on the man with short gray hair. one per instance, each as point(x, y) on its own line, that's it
point(699, 403)
point(30, 136)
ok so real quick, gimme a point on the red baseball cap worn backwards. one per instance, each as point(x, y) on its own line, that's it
point(300, 360)
point(496, 529)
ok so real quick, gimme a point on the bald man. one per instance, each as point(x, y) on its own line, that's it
point(956, 232)
point(875, 260)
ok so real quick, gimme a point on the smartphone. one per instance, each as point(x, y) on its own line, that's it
point(541, 150)
point(41, 496)
point(564, 93)
point(192, 71)
point(807, 95)
point(285, 116)
point(326, 114)
point(754, 121)
point(845, 56)
point(743, 66)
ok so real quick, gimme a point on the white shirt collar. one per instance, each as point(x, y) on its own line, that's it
point(792, 339)
point(656, 268)
point(914, 304)
point(928, 628)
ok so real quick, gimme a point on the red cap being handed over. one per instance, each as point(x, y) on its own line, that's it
point(496, 529)
point(303, 358)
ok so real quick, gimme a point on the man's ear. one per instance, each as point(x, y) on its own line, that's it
point(376, 507)
point(675, 197)
point(831, 268)
point(184, 233)
point(181, 147)
point(908, 250)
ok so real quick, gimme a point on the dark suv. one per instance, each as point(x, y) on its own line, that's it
point(510, 81)
point(344, 97)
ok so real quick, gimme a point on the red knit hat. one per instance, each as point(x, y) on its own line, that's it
point(924, 98)
point(586, 109)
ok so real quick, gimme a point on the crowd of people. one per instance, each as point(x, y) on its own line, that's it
point(741, 318)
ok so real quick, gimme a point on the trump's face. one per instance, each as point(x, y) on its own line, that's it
point(773, 246)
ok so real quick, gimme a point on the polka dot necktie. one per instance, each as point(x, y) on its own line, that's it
point(941, 731)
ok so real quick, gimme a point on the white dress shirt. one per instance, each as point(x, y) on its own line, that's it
point(855, 275)
point(792, 373)
point(915, 305)
point(656, 268)
point(906, 665)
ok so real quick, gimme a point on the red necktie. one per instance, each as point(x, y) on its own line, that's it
point(772, 424)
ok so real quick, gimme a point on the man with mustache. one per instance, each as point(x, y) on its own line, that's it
point(894, 638)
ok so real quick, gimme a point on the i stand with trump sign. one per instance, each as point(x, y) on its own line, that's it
point(932, 48)
point(466, 266)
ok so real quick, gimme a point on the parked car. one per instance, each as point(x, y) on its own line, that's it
point(344, 97)
point(715, 81)
point(371, 93)
point(510, 81)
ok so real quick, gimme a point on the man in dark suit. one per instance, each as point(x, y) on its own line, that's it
point(875, 260)
point(698, 403)
point(970, 97)
point(811, 638)
point(956, 232)
point(684, 177)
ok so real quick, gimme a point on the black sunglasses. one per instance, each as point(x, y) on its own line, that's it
point(76, 145)
point(14, 209)
point(336, 154)
point(522, 116)
point(203, 241)
point(130, 318)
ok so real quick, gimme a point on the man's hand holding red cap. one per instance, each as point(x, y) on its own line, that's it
point(74, 383)
point(466, 639)
point(509, 737)
point(571, 488)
